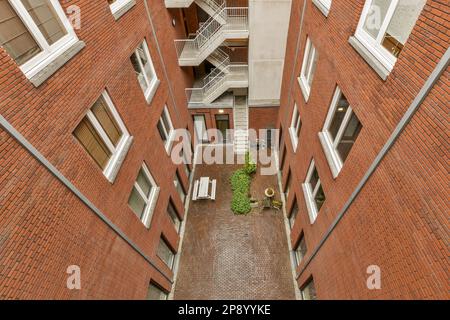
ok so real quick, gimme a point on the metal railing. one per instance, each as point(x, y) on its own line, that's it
point(214, 82)
point(235, 19)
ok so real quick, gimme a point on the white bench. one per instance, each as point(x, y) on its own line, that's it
point(202, 189)
point(213, 189)
point(195, 192)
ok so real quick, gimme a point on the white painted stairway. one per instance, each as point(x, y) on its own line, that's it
point(240, 114)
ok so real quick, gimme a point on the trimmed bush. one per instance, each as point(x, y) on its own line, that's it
point(240, 182)
point(240, 204)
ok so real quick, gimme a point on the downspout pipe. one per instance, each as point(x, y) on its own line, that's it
point(417, 102)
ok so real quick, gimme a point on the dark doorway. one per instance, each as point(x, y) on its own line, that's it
point(223, 124)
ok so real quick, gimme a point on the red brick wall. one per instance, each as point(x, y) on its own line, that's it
point(45, 228)
point(262, 118)
point(399, 220)
point(210, 116)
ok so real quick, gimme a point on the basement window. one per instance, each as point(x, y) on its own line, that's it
point(173, 215)
point(293, 214)
point(104, 136)
point(383, 30)
point(120, 7)
point(165, 129)
point(165, 253)
point(144, 196)
point(323, 5)
point(145, 71)
point(295, 128)
point(313, 192)
point(38, 36)
point(308, 69)
point(342, 128)
point(300, 250)
point(156, 293)
point(308, 291)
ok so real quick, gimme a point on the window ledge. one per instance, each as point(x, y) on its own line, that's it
point(56, 64)
point(309, 204)
point(120, 11)
point(152, 91)
point(335, 166)
point(113, 170)
point(149, 214)
point(303, 88)
point(379, 67)
point(323, 8)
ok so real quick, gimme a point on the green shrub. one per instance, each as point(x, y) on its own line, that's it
point(240, 182)
point(250, 166)
point(240, 203)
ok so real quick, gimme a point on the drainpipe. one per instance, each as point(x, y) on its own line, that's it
point(417, 102)
point(5, 125)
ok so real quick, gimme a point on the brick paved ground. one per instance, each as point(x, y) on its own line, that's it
point(233, 257)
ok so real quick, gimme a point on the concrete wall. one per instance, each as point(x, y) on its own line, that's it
point(269, 22)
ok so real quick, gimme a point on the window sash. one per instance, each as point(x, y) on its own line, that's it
point(47, 50)
point(151, 198)
point(308, 63)
point(376, 44)
point(150, 79)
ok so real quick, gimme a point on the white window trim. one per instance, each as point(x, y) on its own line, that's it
point(150, 201)
point(330, 147)
point(298, 260)
point(178, 222)
point(177, 182)
point(152, 84)
point(306, 74)
point(118, 152)
point(374, 46)
point(120, 5)
point(310, 194)
point(49, 53)
point(294, 127)
point(293, 216)
point(169, 134)
point(171, 263)
point(323, 5)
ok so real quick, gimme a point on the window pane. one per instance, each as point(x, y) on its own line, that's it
point(46, 19)
point(145, 62)
point(139, 72)
point(173, 216)
point(107, 121)
point(165, 253)
point(308, 60)
point(293, 215)
point(144, 183)
point(155, 293)
point(314, 179)
point(91, 141)
point(161, 131)
point(165, 122)
point(14, 36)
point(338, 117)
point(136, 203)
point(313, 68)
point(309, 291)
point(301, 250)
point(402, 23)
point(319, 198)
point(180, 189)
point(376, 16)
point(349, 137)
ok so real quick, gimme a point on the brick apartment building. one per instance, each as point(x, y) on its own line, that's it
point(92, 91)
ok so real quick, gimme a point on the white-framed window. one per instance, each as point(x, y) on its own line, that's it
point(179, 187)
point(313, 192)
point(300, 250)
point(144, 195)
point(293, 214)
point(34, 33)
point(165, 253)
point(145, 71)
point(156, 293)
point(119, 7)
point(341, 129)
point(173, 215)
point(308, 68)
point(165, 128)
point(309, 290)
point(104, 136)
point(323, 5)
point(295, 128)
point(385, 26)
point(288, 185)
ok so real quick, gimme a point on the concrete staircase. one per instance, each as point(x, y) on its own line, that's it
point(240, 114)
